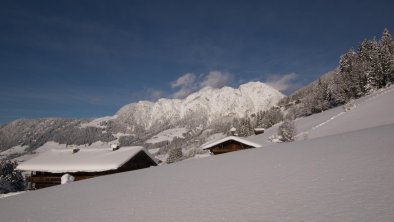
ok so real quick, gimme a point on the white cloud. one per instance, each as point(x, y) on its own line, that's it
point(185, 84)
point(189, 82)
point(217, 79)
point(156, 94)
point(185, 80)
point(283, 82)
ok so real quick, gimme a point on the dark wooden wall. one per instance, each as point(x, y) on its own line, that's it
point(228, 146)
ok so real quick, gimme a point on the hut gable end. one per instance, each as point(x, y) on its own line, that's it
point(139, 161)
point(229, 144)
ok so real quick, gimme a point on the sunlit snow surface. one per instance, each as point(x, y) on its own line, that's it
point(84, 160)
point(208, 103)
point(168, 135)
point(4, 195)
point(13, 150)
point(53, 145)
point(98, 122)
point(343, 171)
point(347, 177)
point(372, 110)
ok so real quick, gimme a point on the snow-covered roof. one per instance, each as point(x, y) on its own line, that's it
point(241, 140)
point(85, 160)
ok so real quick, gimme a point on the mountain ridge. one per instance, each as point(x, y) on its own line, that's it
point(213, 103)
point(136, 122)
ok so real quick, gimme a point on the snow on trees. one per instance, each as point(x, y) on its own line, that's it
point(266, 119)
point(368, 57)
point(321, 102)
point(351, 78)
point(174, 155)
point(10, 180)
point(386, 56)
point(287, 131)
point(245, 127)
point(360, 72)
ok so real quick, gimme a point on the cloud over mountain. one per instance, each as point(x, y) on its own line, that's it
point(190, 82)
point(283, 83)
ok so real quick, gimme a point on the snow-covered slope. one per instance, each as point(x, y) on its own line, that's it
point(374, 110)
point(347, 177)
point(369, 111)
point(205, 105)
point(342, 171)
point(168, 135)
point(98, 122)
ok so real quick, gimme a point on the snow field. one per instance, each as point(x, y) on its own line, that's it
point(168, 135)
point(345, 177)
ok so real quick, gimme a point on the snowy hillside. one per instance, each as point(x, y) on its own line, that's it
point(204, 106)
point(343, 171)
point(369, 111)
point(168, 135)
point(98, 122)
point(374, 110)
point(345, 177)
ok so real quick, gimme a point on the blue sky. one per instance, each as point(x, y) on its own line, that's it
point(89, 58)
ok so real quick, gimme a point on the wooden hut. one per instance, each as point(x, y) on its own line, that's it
point(258, 131)
point(48, 168)
point(229, 144)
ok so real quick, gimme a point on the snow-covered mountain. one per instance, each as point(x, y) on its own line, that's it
point(204, 106)
point(141, 122)
point(342, 171)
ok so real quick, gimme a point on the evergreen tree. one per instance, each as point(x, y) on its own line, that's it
point(272, 117)
point(337, 89)
point(245, 127)
point(368, 69)
point(260, 119)
point(386, 57)
point(320, 97)
point(346, 67)
point(10, 179)
point(287, 131)
point(369, 64)
point(175, 154)
point(359, 79)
